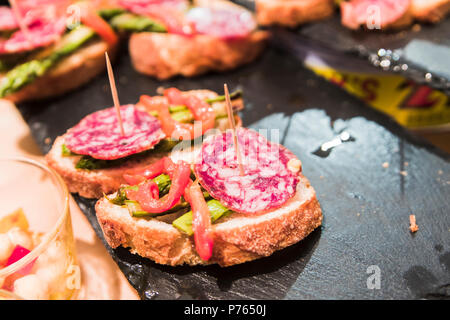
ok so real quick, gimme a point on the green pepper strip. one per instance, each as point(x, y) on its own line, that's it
point(234, 95)
point(184, 223)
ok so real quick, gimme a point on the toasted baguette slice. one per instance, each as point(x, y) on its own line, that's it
point(70, 73)
point(291, 13)
point(165, 55)
point(237, 238)
point(430, 10)
point(405, 21)
point(353, 22)
point(95, 183)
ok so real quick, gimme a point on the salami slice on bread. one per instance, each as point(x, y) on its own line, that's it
point(238, 238)
point(391, 14)
point(271, 205)
point(225, 38)
point(292, 13)
point(50, 57)
point(95, 183)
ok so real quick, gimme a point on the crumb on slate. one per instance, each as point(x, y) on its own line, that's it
point(404, 173)
point(413, 227)
point(416, 27)
point(386, 165)
point(160, 90)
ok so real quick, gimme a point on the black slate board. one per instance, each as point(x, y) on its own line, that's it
point(424, 49)
point(366, 207)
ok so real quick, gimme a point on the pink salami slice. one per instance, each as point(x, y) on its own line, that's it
point(7, 19)
point(98, 134)
point(222, 23)
point(40, 35)
point(361, 12)
point(32, 11)
point(129, 4)
point(168, 12)
point(267, 182)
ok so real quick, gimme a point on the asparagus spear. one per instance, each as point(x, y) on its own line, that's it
point(233, 95)
point(184, 223)
point(163, 181)
point(110, 13)
point(27, 72)
point(134, 23)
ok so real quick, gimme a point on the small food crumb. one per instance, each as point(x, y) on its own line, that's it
point(440, 172)
point(47, 140)
point(358, 214)
point(386, 165)
point(404, 173)
point(406, 164)
point(160, 90)
point(321, 177)
point(416, 27)
point(412, 223)
point(294, 165)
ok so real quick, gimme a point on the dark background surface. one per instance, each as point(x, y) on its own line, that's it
point(423, 48)
point(366, 207)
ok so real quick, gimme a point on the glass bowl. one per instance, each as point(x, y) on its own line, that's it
point(37, 248)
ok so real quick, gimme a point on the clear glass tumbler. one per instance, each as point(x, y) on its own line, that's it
point(37, 248)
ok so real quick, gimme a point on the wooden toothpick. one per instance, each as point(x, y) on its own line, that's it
point(233, 128)
point(22, 25)
point(115, 96)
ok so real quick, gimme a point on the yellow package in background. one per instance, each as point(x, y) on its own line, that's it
point(412, 105)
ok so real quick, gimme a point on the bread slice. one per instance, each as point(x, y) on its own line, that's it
point(430, 10)
point(70, 73)
point(291, 13)
point(95, 183)
point(349, 20)
point(237, 238)
point(165, 55)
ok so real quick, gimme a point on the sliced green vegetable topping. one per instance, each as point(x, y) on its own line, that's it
point(234, 95)
point(66, 152)
point(109, 13)
point(184, 223)
point(135, 209)
point(163, 181)
point(121, 195)
point(134, 23)
point(90, 163)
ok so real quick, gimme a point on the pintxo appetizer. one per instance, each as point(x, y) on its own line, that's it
point(391, 14)
point(93, 156)
point(292, 13)
point(43, 55)
point(180, 37)
point(243, 198)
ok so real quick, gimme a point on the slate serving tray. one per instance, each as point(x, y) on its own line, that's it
point(366, 207)
point(420, 53)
